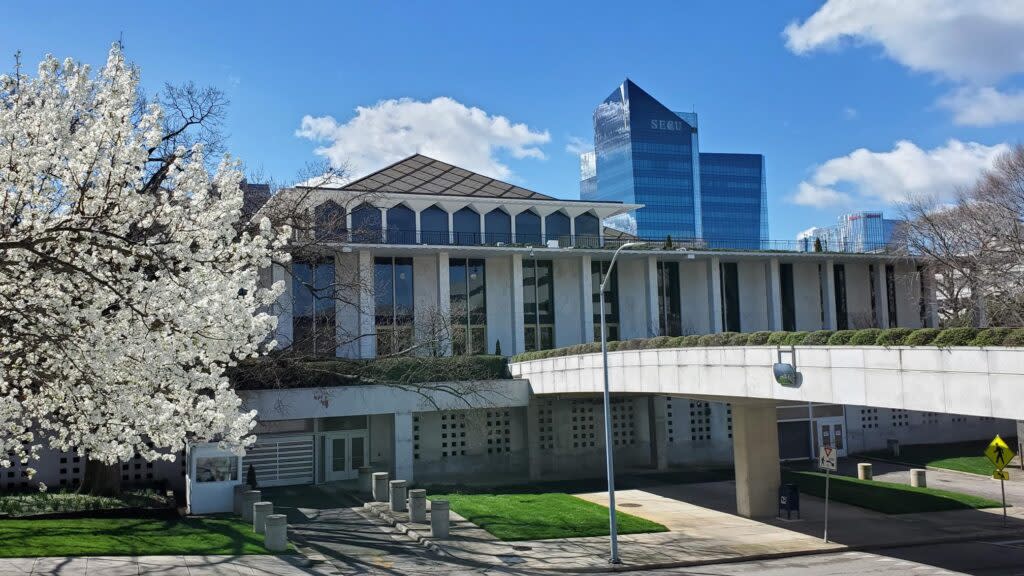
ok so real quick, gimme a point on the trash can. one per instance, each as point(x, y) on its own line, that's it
point(789, 500)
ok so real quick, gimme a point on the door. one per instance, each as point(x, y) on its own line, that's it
point(344, 454)
point(831, 432)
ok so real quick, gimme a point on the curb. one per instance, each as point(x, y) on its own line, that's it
point(410, 532)
point(935, 468)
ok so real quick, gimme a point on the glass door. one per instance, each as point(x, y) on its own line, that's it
point(345, 454)
point(830, 433)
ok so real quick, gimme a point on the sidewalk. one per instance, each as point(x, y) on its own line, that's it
point(292, 565)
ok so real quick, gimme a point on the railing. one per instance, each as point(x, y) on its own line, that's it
point(532, 239)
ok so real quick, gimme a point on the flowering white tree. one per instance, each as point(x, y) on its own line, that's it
point(128, 281)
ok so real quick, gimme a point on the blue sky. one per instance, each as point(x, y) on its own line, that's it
point(855, 105)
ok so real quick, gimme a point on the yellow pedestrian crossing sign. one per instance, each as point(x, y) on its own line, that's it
point(999, 453)
point(1001, 475)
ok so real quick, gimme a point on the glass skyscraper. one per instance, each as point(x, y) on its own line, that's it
point(854, 232)
point(645, 153)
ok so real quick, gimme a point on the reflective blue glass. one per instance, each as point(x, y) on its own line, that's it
point(498, 226)
point(734, 200)
point(366, 224)
point(466, 223)
point(401, 225)
point(528, 228)
point(434, 226)
point(557, 227)
point(588, 231)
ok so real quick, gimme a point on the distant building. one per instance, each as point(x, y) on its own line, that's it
point(854, 232)
point(647, 154)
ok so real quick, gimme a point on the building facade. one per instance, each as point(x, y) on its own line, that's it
point(645, 153)
point(853, 232)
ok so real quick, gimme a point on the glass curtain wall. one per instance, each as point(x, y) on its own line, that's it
point(539, 304)
point(598, 271)
point(670, 318)
point(788, 297)
point(468, 306)
point(314, 321)
point(730, 297)
point(394, 309)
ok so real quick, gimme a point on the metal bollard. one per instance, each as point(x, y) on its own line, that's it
point(249, 497)
point(260, 511)
point(418, 506)
point(439, 519)
point(918, 477)
point(276, 536)
point(398, 495)
point(380, 486)
point(864, 470)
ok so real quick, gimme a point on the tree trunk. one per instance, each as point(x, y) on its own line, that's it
point(101, 479)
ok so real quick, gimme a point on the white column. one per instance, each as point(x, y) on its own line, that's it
point(659, 407)
point(512, 227)
point(543, 230)
point(881, 295)
point(384, 225)
point(587, 299)
point(755, 445)
point(367, 328)
point(444, 300)
point(653, 323)
point(517, 304)
point(284, 306)
point(418, 236)
point(715, 293)
point(483, 229)
point(930, 299)
point(451, 228)
point(534, 431)
point(403, 447)
point(828, 300)
point(774, 295)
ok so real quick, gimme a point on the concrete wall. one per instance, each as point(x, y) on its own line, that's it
point(908, 296)
point(346, 309)
point(858, 296)
point(633, 299)
point(487, 445)
point(753, 285)
point(693, 275)
point(568, 302)
point(498, 277)
point(428, 311)
point(871, 428)
point(807, 296)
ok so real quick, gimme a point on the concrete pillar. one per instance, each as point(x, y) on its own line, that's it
point(864, 471)
point(366, 480)
point(418, 506)
point(483, 228)
point(380, 486)
point(918, 478)
point(383, 225)
point(260, 511)
point(276, 536)
point(444, 300)
point(828, 300)
point(653, 322)
point(586, 298)
point(659, 432)
point(715, 294)
point(284, 309)
point(534, 430)
point(881, 295)
point(930, 297)
point(516, 310)
point(403, 446)
point(397, 493)
point(367, 342)
point(439, 519)
point(756, 455)
point(419, 235)
point(451, 227)
point(249, 497)
point(774, 295)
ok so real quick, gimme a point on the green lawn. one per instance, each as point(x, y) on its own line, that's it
point(885, 497)
point(123, 537)
point(541, 516)
point(962, 456)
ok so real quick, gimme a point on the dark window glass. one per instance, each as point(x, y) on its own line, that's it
point(890, 293)
point(434, 226)
point(842, 319)
point(598, 271)
point(670, 318)
point(528, 228)
point(557, 227)
point(498, 226)
point(873, 283)
point(467, 227)
point(730, 297)
point(922, 301)
point(394, 310)
point(468, 294)
point(401, 225)
point(330, 222)
point(588, 231)
point(788, 297)
point(538, 304)
point(313, 309)
point(366, 224)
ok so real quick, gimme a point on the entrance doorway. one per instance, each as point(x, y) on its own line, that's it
point(344, 454)
point(831, 432)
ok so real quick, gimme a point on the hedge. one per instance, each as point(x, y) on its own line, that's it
point(864, 337)
point(275, 372)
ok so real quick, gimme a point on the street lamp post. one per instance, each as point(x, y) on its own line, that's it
point(612, 523)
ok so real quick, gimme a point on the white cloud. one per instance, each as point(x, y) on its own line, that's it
point(984, 106)
point(442, 128)
point(577, 146)
point(850, 112)
point(864, 176)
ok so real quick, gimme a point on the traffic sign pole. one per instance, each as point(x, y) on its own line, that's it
point(1002, 488)
point(826, 504)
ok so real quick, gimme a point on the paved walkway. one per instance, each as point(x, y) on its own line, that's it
point(974, 484)
point(162, 566)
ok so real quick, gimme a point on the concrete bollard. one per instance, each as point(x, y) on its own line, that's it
point(439, 519)
point(418, 506)
point(236, 498)
point(398, 495)
point(366, 480)
point(249, 497)
point(864, 470)
point(380, 486)
point(918, 477)
point(260, 511)
point(276, 536)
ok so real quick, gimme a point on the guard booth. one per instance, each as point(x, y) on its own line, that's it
point(210, 479)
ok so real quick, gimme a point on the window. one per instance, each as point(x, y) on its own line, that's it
point(528, 228)
point(538, 304)
point(923, 300)
point(730, 297)
point(467, 227)
point(434, 226)
point(890, 294)
point(468, 291)
point(216, 468)
point(788, 297)
point(558, 227)
point(873, 283)
point(313, 324)
point(588, 231)
point(670, 320)
point(393, 296)
point(839, 275)
point(402, 225)
point(366, 224)
point(330, 222)
point(498, 224)
point(598, 271)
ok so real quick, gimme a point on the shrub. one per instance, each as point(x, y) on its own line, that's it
point(1014, 338)
point(677, 342)
point(893, 336)
point(795, 338)
point(739, 340)
point(758, 338)
point(818, 338)
point(720, 339)
point(865, 337)
point(955, 337)
point(922, 336)
point(841, 338)
point(991, 337)
point(657, 342)
point(777, 338)
point(614, 345)
point(691, 341)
